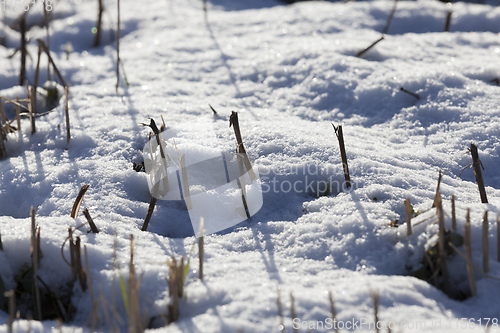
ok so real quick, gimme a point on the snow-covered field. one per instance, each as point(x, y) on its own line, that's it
point(289, 71)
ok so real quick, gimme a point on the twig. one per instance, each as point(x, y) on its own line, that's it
point(410, 93)
point(22, 74)
point(18, 115)
point(35, 259)
point(343, 155)
point(476, 163)
point(360, 53)
point(92, 225)
point(468, 253)
point(233, 121)
point(99, 22)
point(151, 208)
point(389, 19)
point(453, 213)
point(44, 48)
point(375, 309)
point(333, 312)
point(46, 17)
point(66, 112)
point(437, 196)
point(12, 309)
point(408, 217)
point(30, 108)
point(447, 22)
point(213, 110)
point(486, 264)
point(442, 249)
point(472, 264)
point(82, 277)
point(78, 201)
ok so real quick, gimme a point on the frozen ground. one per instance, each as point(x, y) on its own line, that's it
point(289, 71)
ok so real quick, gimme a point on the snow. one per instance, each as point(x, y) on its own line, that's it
point(289, 71)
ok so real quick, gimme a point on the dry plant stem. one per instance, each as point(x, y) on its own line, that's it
point(453, 213)
point(233, 121)
point(175, 287)
point(35, 247)
point(46, 17)
point(498, 237)
point(447, 21)
point(389, 19)
point(91, 291)
point(3, 137)
point(44, 48)
point(118, 49)
point(294, 315)
point(12, 309)
point(18, 114)
point(410, 93)
point(72, 254)
point(437, 196)
point(408, 217)
point(35, 84)
point(1, 245)
point(442, 250)
point(99, 24)
point(66, 112)
point(30, 109)
point(82, 278)
point(375, 309)
point(369, 47)
point(205, 10)
point(476, 164)
point(22, 74)
point(333, 312)
point(473, 265)
point(92, 225)
point(3, 116)
point(343, 155)
point(486, 264)
point(151, 208)
point(78, 201)
point(468, 254)
point(280, 311)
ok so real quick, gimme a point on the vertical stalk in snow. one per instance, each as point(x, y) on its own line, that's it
point(343, 155)
point(476, 164)
point(486, 264)
point(22, 74)
point(468, 254)
point(408, 217)
point(453, 214)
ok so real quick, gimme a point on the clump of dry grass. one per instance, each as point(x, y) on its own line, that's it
point(175, 287)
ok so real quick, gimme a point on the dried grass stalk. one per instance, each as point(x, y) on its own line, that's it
point(233, 121)
point(200, 247)
point(280, 311)
point(22, 74)
point(340, 136)
point(185, 183)
point(42, 45)
point(442, 250)
point(12, 309)
point(35, 259)
point(375, 298)
point(453, 213)
point(408, 217)
point(360, 53)
point(151, 208)
point(92, 225)
point(78, 201)
point(333, 312)
point(66, 112)
point(476, 164)
point(486, 263)
point(82, 277)
point(99, 24)
point(389, 19)
point(18, 114)
point(468, 254)
point(175, 287)
point(134, 320)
